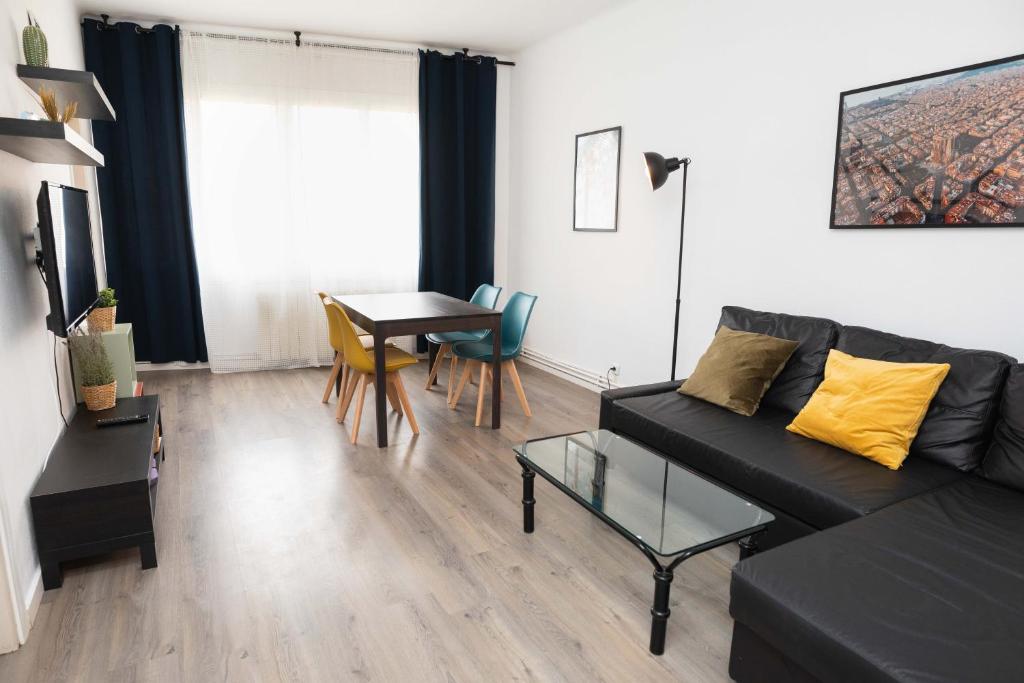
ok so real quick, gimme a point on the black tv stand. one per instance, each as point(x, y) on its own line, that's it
point(94, 496)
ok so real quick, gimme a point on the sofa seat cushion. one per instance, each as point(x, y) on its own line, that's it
point(929, 589)
point(812, 481)
point(805, 368)
point(959, 421)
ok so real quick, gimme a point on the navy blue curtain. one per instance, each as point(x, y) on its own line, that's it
point(457, 112)
point(143, 187)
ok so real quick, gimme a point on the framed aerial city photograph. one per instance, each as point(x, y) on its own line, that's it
point(595, 197)
point(941, 150)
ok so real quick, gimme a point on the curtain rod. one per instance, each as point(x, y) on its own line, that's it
point(298, 42)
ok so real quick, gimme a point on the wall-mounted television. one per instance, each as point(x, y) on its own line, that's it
point(65, 255)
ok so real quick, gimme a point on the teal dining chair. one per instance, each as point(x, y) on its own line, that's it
point(486, 296)
point(514, 319)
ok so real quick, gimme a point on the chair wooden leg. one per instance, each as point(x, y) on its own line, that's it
point(351, 380)
point(339, 362)
point(466, 372)
point(363, 381)
point(518, 384)
point(393, 397)
point(404, 398)
point(437, 364)
point(480, 394)
point(453, 370)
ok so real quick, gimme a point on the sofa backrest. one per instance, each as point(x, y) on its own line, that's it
point(806, 367)
point(959, 422)
point(1004, 461)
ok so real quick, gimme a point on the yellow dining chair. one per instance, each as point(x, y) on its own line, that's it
point(335, 339)
point(361, 373)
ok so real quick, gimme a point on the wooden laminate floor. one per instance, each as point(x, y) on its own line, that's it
point(287, 554)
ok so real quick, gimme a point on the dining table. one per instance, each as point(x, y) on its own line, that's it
point(397, 314)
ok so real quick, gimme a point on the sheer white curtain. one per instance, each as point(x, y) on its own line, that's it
point(303, 175)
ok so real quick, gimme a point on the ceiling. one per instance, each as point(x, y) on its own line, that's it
point(500, 26)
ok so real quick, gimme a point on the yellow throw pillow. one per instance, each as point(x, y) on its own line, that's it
point(871, 408)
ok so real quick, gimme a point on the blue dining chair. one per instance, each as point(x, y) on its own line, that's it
point(514, 319)
point(486, 296)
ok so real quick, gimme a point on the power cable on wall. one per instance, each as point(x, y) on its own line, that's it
point(56, 379)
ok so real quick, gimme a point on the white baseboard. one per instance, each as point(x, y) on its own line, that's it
point(32, 602)
point(595, 381)
point(146, 366)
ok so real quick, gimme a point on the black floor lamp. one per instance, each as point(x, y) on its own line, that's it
point(658, 170)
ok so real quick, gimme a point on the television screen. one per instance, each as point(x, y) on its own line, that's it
point(67, 256)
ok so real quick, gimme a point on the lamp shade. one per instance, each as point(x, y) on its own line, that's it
point(658, 168)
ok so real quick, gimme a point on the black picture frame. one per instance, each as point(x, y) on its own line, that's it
point(931, 214)
point(617, 130)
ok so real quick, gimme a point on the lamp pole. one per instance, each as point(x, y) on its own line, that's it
point(679, 272)
point(658, 170)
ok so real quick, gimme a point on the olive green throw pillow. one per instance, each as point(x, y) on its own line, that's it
point(737, 369)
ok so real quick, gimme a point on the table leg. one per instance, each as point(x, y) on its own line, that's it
point(528, 500)
point(660, 611)
point(496, 371)
point(431, 357)
point(53, 577)
point(749, 546)
point(147, 551)
point(160, 430)
point(337, 380)
point(379, 394)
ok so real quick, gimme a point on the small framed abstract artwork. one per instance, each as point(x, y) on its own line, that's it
point(941, 150)
point(596, 181)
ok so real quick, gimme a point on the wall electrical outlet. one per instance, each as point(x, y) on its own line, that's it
point(615, 369)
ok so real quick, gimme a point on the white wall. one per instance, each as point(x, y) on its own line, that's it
point(29, 421)
point(749, 90)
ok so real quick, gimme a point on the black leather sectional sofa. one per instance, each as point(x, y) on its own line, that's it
point(868, 574)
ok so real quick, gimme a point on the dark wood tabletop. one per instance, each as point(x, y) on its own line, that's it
point(405, 313)
point(415, 308)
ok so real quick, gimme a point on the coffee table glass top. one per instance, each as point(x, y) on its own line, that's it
point(664, 506)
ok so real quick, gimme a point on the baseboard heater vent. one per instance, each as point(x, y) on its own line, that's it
point(587, 378)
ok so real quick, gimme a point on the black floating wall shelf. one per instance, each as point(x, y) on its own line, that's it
point(47, 142)
point(71, 86)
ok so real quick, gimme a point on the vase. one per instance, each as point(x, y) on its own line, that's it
point(33, 40)
point(101, 397)
point(102, 319)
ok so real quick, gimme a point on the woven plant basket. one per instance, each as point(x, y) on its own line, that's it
point(102, 319)
point(101, 397)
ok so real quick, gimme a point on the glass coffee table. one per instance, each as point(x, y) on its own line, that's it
point(664, 509)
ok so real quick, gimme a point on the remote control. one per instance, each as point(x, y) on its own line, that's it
point(118, 421)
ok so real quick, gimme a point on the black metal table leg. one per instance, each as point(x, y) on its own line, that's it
point(660, 611)
point(528, 499)
point(749, 546)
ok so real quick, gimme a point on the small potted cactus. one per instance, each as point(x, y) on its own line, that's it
point(33, 41)
point(101, 318)
point(94, 371)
